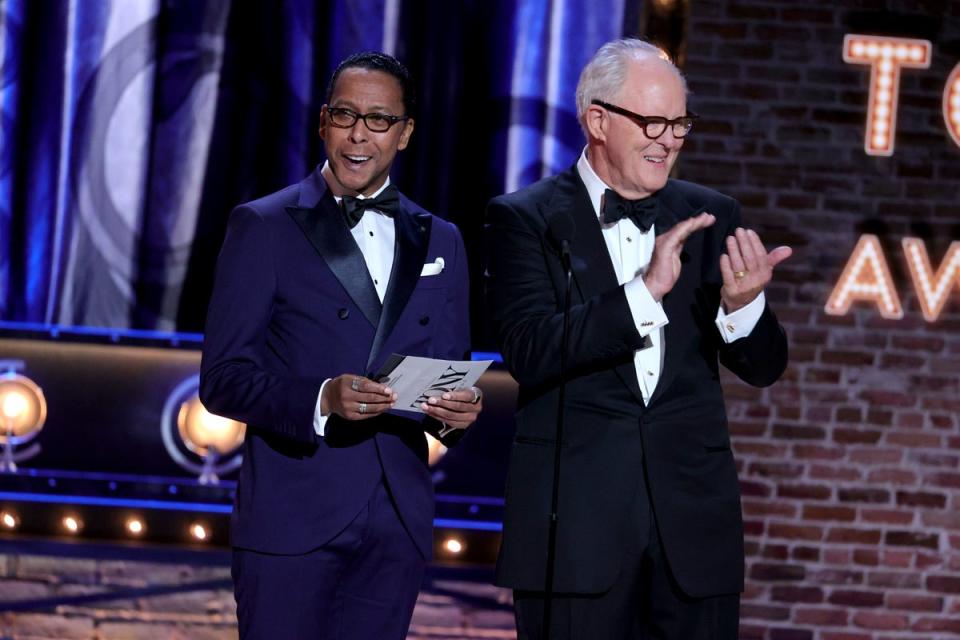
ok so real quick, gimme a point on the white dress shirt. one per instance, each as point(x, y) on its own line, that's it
point(630, 252)
point(375, 235)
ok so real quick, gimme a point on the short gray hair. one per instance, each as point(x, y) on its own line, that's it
point(605, 74)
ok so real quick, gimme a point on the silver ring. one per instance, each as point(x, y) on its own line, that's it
point(355, 385)
point(362, 408)
point(476, 395)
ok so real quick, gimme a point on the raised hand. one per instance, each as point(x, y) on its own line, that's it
point(665, 263)
point(747, 268)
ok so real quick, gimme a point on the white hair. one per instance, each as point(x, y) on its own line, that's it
point(606, 72)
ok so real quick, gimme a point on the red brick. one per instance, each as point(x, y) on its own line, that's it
point(858, 536)
point(756, 489)
point(921, 499)
point(825, 512)
point(869, 557)
point(944, 519)
point(774, 552)
point(797, 432)
point(875, 496)
point(914, 602)
point(836, 577)
point(927, 560)
point(899, 438)
point(768, 572)
point(834, 472)
point(895, 579)
point(888, 398)
point(817, 452)
point(804, 491)
point(820, 617)
point(795, 532)
point(844, 635)
point(887, 516)
point(785, 593)
point(901, 477)
point(758, 508)
point(912, 539)
point(775, 469)
point(810, 554)
point(880, 621)
point(874, 456)
point(849, 358)
point(943, 584)
point(763, 612)
point(856, 436)
point(790, 634)
point(937, 624)
point(853, 598)
point(900, 559)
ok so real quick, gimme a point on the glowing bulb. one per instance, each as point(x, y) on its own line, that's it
point(72, 524)
point(9, 520)
point(454, 546)
point(199, 532)
point(14, 405)
point(135, 526)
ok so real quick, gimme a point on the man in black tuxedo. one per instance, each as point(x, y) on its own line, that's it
point(317, 285)
point(666, 285)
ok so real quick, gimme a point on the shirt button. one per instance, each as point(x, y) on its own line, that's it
point(730, 327)
point(371, 234)
point(649, 373)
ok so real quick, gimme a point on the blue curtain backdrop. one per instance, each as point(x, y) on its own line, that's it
point(130, 128)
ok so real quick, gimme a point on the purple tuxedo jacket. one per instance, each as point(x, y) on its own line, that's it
point(293, 304)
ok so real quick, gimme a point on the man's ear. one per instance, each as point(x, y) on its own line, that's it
point(595, 121)
point(324, 122)
point(405, 134)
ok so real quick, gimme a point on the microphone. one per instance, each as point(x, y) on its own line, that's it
point(560, 231)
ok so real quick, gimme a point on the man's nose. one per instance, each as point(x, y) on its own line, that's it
point(358, 132)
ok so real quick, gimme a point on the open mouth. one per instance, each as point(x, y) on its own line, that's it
point(655, 159)
point(356, 160)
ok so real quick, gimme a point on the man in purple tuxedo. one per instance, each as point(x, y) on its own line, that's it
point(316, 286)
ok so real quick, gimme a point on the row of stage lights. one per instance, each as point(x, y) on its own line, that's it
point(133, 526)
point(23, 411)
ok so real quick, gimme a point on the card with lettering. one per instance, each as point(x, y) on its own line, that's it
point(416, 379)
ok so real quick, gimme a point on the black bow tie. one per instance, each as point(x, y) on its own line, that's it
point(386, 203)
point(643, 212)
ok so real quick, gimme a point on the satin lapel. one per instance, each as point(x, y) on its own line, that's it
point(412, 239)
point(593, 271)
point(673, 208)
point(328, 233)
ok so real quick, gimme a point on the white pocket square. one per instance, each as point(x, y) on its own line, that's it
point(432, 268)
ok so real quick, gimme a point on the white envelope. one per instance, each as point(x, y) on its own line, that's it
point(432, 268)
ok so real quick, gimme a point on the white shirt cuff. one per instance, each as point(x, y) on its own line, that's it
point(648, 314)
point(741, 322)
point(320, 421)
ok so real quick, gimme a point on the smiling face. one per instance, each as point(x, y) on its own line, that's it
point(359, 160)
point(619, 152)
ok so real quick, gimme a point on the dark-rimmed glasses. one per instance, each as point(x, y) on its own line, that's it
point(653, 126)
point(376, 122)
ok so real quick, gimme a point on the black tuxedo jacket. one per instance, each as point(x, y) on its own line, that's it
point(292, 305)
point(678, 445)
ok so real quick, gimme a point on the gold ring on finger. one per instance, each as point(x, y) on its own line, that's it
point(739, 274)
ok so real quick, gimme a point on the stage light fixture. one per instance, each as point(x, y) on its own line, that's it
point(209, 436)
point(199, 532)
point(453, 546)
point(9, 520)
point(189, 430)
point(135, 526)
point(23, 410)
point(72, 524)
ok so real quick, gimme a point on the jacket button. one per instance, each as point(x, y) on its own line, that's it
point(424, 321)
point(343, 314)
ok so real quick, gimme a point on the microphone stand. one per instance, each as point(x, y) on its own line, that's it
point(555, 496)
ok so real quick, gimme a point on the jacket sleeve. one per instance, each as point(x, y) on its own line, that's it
point(525, 295)
point(760, 358)
point(234, 381)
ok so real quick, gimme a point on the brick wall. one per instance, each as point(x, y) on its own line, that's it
point(849, 465)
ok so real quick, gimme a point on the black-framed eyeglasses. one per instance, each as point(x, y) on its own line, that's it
point(653, 126)
point(376, 122)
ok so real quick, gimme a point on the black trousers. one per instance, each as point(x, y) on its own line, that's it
point(644, 603)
